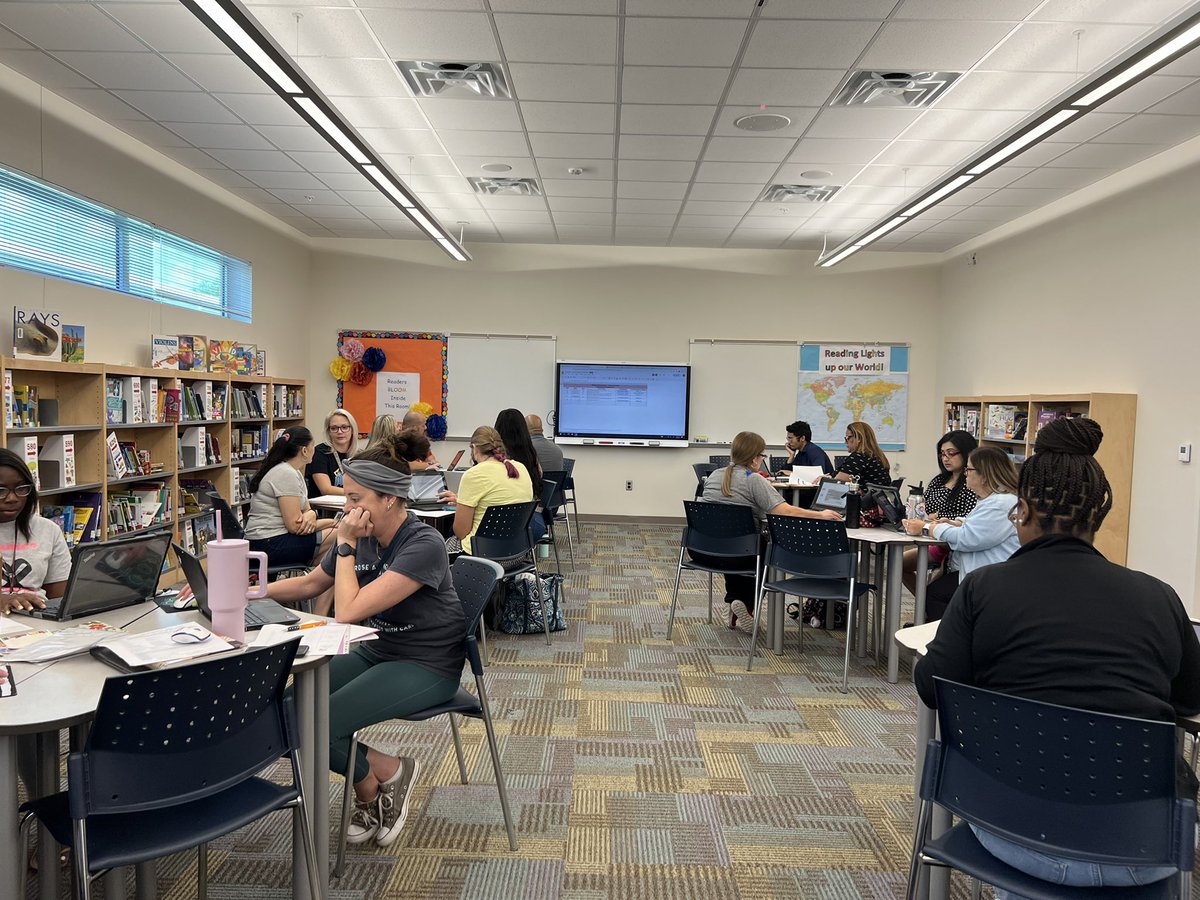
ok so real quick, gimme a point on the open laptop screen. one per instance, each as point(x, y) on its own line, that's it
point(831, 495)
point(113, 574)
point(426, 485)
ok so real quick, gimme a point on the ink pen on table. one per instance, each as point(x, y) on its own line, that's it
point(303, 625)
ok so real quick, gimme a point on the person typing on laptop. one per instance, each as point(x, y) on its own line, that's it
point(34, 560)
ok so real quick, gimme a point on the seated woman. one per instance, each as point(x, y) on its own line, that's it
point(1061, 624)
point(866, 463)
point(494, 480)
point(281, 522)
point(518, 443)
point(946, 496)
point(383, 427)
point(33, 551)
point(324, 474)
point(390, 571)
point(740, 483)
point(984, 536)
point(416, 450)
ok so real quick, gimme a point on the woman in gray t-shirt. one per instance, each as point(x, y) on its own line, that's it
point(741, 483)
point(281, 522)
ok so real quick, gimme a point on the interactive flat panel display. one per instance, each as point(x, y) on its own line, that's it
point(622, 404)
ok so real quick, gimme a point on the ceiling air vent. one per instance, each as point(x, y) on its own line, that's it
point(894, 89)
point(519, 187)
point(430, 79)
point(789, 193)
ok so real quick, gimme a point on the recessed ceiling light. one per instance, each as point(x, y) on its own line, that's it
point(496, 167)
point(762, 122)
point(815, 174)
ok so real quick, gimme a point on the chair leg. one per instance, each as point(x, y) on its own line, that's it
point(922, 831)
point(977, 889)
point(347, 801)
point(758, 605)
point(675, 595)
point(710, 586)
point(570, 540)
point(315, 889)
point(83, 880)
point(546, 607)
point(849, 630)
point(483, 642)
point(494, 749)
point(202, 872)
point(458, 750)
point(26, 821)
point(800, 623)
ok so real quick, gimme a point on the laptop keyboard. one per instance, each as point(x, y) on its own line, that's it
point(255, 619)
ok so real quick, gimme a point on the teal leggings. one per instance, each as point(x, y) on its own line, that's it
point(364, 690)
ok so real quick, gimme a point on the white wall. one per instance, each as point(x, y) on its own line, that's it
point(631, 303)
point(44, 136)
point(1101, 300)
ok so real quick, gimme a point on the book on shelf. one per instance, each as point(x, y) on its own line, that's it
point(77, 515)
point(152, 401)
point(193, 494)
point(142, 506)
point(37, 334)
point(57, 459)
point(193, 353)
point(164, 351)
point(26, 447)
point(8, 398)
point(1001, 420)
point(219, 396)
point(241, 484)
point(64, 518)
point(260, 362)
point(231, 357)
point(197, 533)
point(118, 466)
point(193, 447)
point(114, 401)
point(26, 406)
point(73, 339)
point(172, 404)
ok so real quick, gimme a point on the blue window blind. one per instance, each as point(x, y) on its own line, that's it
point(51, 232)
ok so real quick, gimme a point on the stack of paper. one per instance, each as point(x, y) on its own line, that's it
point(324, 640)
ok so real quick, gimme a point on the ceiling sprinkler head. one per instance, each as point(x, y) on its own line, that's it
point(574, 170)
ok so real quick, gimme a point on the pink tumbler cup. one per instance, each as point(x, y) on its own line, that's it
point(229, 585)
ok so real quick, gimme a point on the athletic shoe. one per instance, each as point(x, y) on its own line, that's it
point(394, 795)
point(364, 822)
point(738, 611)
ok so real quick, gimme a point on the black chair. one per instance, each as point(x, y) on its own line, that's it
point(897, 483)
point(172, 762)
point(719, 461)
point(232, 528)
point(702, 470)
point(504, 535)
point(779, 462)
point(552, 506)
point(723, 530)
point(475, 581)
point(1066, 782)
point(816, 556)
point(568, 488)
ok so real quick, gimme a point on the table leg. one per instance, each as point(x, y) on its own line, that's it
point(47, 783)
point(864, 572)
point(776, 607)
point(922, 578)
point(146, 880)
point(319, 791)
point(305, 693)
point(11, 850)
point(892, 606)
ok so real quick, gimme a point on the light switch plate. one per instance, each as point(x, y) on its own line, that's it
point(1185, 453)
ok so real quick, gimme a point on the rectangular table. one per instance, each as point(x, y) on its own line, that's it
point(64, 694)
point(441, 519)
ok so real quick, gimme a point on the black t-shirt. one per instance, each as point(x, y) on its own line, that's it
point(325, 463)
point(428, 626)
point(867, 469)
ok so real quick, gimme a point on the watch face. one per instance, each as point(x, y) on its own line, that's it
point(345, 550)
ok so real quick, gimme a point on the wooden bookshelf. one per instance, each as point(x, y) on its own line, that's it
point(1117, 415)
point(80, 408)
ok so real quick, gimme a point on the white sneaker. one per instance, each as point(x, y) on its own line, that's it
point(740, 616)
point(364, 822)
point(394, 795)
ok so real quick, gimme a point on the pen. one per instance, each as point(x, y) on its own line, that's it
point(304, 625)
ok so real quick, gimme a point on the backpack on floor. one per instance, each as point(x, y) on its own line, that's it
point(815, 614)
point(524, 601)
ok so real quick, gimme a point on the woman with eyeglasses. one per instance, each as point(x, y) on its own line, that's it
point(946, 496)
point(324, 474)
point(34, 559)
point(1061, 624)
point(982, 537)
point(866, 463)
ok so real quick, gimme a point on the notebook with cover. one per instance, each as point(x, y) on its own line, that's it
point(258, 612)
point(107, 575)
point(424, 489)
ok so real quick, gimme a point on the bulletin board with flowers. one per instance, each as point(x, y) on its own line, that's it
point(379, 371)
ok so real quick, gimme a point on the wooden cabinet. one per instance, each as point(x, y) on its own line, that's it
point(1010, 422)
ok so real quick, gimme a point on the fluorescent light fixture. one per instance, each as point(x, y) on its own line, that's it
point(451, 248)
point(1032, 136)
point(333, 130)
point(424, 224)
point(881, 231)
point(941, 193)
point(1139, 67)
point(388, 186)
point(248, 44)
point(837, 257)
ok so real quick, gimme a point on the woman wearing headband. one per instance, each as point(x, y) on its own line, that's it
point(390, 571)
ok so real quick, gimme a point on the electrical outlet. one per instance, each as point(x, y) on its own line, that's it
point(629, 485)
point(1185, 453)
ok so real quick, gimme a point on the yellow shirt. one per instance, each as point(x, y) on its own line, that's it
point(487, 484)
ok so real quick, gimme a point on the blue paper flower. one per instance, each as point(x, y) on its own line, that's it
point(374, 359)
point(435, 427)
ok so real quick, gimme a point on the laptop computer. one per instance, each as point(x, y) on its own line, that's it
point(454, 462)
point(454, 481)
point(831, 495)
point(887, 498)
point(258, 612)
point(107, 575)
point(424, 489)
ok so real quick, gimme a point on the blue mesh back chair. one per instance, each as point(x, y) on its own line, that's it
point(172, 762)
point(569, 491)
point(725, 530)
point(475, 581)
point(1090, 786)
point(552, 511)
point(779, 462)
point(815, 557)
point(504, 535)
point(232, 528)
point(702, 470)
point(719, 461)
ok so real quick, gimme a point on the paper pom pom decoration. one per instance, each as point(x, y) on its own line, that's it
point(435, 427)
point(340, 368)
point(425, 409)
point(352, 349)
point(360, 374)
point(374, 359)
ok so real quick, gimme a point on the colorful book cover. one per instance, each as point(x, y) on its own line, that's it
point(164, 351)
point(221, 357)
point(193, 352)
point(260, 362)
point(37, 334)
point(72, 343)
point(243, 359)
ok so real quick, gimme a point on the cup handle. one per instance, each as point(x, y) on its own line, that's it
point(261, 590)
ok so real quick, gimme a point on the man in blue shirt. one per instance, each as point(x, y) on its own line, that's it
point(802, 451)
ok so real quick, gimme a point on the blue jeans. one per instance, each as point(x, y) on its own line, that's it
point(1057, 870)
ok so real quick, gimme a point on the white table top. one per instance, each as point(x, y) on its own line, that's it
point(338, 501)
point(887, 535)
point(917, 637)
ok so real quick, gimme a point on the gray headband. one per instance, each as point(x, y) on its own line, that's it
point(378, 477)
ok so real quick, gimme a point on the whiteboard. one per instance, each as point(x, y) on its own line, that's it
point(743, 386)
point(491, 372)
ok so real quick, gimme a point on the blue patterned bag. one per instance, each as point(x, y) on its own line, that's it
point(525, 598)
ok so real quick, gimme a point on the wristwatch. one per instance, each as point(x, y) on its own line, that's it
point(346, 550)
point(924, 530)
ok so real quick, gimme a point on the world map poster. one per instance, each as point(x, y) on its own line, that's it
point(843, 383)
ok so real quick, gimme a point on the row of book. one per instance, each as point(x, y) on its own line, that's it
point(288, 401)
point(246, 404)
point(249, 442)
point(42, 334)
point(52, 464)
point(77, 516)
point(125, 460)
point(962, 418)
point(198, 447)
point(143, 505)
point(196, 533)
point(1006, 421)
point(22, 406)
point(196, 353)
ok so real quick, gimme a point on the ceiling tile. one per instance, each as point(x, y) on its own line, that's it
point(1159, 94)
point(592, 146)
point(520, 216)
point(1005, 90)
point(715, 8)
point(584, 218)
point(819, 150)
point(262, 109)
point(963, 125)
point(1053, 47)
point(818, 43)
point(68, 26)
point(1015, 10)
point(320, 32)
point(421, 143)
point(710, 222)
point(988, 213)
point(522, 166)
point(800, 116)
point(1087, 127)
point(645, 220)
point(178, 106)
point(743, 192)
point(436, 35)
point(862, 123)
point(663, 84)
point(578, 187)
point(1021, 197)
point(354, 77)
point(938, 45)
point(591, 7)
point(1105, 156)
point(9, 41)
point(322, 162)
point(511, 201)
point(785, 87)
point(222, 137)
point(749, 149)
point(127, 70)
point(928, 153)
point(348, 181)
point(429, 184)
point(583, 235)
point(193, 159)
point(650, 190)
point(558, 38)
point(580, 118)
point(1148, 12)
point(294, 137)
point(1060, 178)
point(43, 69)
point(728, 172)
point(153, 134)
point(381, 112)
point(107, 106)
point(227, 178)
point(321, 211)
point(365, 200)
point(661, 207)
point(315, 195)
point(580, 204)
point(896, 176)
point(473, 143)
point(656, 170)
point(421, 165)
point(218, 73)
point(471, 115)
point(810, 173)
point(658, 146)
point(255, 161)
point(1151, 129)
point(715, 208)
point(665, 119)
point(682, 42)
point(534, 81)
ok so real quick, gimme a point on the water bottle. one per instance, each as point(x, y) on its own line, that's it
point(853, 509)
point(229, 585)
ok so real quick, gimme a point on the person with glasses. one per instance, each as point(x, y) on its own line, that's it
point(982, 537)
point(34, 560)
point(324, 474)
point(866, 463)
point(1061, 624)
point(802, 451)
point(739, 483)
point(946, 496)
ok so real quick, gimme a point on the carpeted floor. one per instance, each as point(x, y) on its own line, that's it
point(638, 767)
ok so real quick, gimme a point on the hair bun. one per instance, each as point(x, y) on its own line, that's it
point(1077, 436)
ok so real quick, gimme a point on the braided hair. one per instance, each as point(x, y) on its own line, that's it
point(1062, 482)
point(487, 441)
